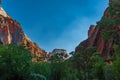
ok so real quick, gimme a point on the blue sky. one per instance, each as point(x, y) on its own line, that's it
point(56, 23)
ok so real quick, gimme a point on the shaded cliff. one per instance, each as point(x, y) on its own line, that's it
point(12, 33)
point(106, 33)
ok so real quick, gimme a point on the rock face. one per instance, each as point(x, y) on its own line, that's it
point(12, 33)
point(59, 51)
point(105, 47)
point(106, 33)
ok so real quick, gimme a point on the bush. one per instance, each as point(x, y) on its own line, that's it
point(106, 35)
point(114, 8)
point(41, 69)
point(14, 62)
point(105, 22)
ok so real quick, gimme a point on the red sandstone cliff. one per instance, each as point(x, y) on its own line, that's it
point(12, 33)
point(109, 23)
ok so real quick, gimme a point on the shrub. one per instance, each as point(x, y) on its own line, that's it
point(14, 62)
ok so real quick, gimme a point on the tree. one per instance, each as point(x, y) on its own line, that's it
point(41, 70)
point(108, 74)
point(14, 62)
point(82, 63)
point(116, 62)
point(107, 35)
point(116, 68)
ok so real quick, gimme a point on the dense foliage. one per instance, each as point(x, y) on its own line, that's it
point(107, 35)
point(16, 64)
point(113, 18)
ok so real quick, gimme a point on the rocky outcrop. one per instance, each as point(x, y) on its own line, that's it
point(105, 47)
point(59, 51)
point(12, 33)
point(106, 33)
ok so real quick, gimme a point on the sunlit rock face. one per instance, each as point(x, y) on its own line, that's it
point(12, 33)
point(2, 12)
point(95, 34)
point(59, 51)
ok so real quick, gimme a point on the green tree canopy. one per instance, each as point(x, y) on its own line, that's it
point(14, 62)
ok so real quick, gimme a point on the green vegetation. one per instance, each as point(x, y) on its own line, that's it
point(116, 63)
point(16, 64)
point(113, 17)
point(115, 8)
point(87, 64)
point(107, 35)
point(106, 22)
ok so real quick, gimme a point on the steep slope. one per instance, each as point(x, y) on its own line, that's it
point(106, 33)
point(12, 33)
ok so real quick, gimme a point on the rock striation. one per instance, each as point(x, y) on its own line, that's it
point(106, 33)
point(12, 33)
